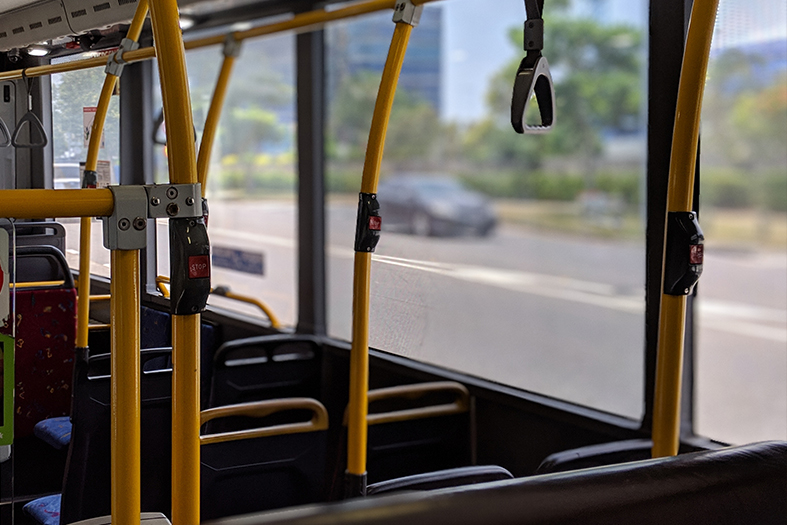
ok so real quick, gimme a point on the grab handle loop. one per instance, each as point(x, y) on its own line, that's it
point(34, 125)
point(5, 135)
point(533, 76)
point(532, 80)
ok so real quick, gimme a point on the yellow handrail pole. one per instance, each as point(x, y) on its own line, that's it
point(85, 224)
point(125, 426)
point(359, 354)
point(302, 22)
point(231, 48)
point(185, 328)
point(35, 204)
point(680, 193)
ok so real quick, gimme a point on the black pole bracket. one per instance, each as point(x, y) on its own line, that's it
point(684, 253)
point(369, 223)
point(189, 265)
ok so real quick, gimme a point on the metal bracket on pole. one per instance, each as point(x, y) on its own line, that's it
point(125, 228)
point(134, 205)
point(231, 46)
point(405, 12)
point(115, 62)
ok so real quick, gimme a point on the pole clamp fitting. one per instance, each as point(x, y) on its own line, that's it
point(125, 228)
point(115, 62)
point(406, 12)
point(684, 254)
point(368, 224)
point(231, 46)
point(172, 201)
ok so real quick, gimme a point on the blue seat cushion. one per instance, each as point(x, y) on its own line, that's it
point(45, 510)
point(55, 431)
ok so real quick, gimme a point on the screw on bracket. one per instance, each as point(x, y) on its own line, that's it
point(172, 192)
point(124, 224)
point(155, 201)
point(140, 223)
point(172, 208)
point(190, 201)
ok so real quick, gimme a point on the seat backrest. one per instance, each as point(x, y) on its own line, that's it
point(597, 455)
point(736, 485)
point(266, 367)
point(267, 467)
point(45, 337)
point(441, 479)
point(86, 485)
point(418, 428)
point(38, 233)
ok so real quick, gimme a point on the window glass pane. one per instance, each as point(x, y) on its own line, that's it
point(71, 93)
point(516, 258)
point(741, 362)
point(251, 182)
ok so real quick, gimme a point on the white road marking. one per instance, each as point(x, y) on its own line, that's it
point(734, 318)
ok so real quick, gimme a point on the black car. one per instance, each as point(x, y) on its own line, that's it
point(430, 205)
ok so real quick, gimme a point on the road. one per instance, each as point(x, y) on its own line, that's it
point(555, 314)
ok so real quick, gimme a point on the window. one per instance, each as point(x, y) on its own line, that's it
point(741, 336)
point(72, 92)
point(252, 177)
point(520, 259)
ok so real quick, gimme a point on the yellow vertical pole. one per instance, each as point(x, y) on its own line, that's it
point(125, 428)
point(85, 226)
point(680, 195)
point(359, 353)
point(185, 328)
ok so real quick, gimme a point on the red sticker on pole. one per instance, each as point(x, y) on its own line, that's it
point(696, 255)
point(375, 223)
point(199, 266)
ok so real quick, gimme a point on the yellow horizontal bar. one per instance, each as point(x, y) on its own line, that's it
point(36, 284)
point(319, 420)
point(99, 326)
point(41, 204)
point(106, 297)
point(303, 21)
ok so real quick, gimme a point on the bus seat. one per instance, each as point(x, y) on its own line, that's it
point(418, 428)
point(266, 367)
point(597, 455)
point(38, 233)
point(44, 510)
point(266, 467)
point(86, 484)
point(734, 485)
point(441, 479)
point(45, 337)
point(55, 431)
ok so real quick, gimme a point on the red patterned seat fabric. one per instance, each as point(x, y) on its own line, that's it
point(45, 339)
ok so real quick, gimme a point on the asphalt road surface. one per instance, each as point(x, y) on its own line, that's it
point(555, 314)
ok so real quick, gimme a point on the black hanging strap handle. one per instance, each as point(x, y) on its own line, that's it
point(35, 127)
point(533, 76)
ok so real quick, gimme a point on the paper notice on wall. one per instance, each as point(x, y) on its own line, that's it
point(88, 116)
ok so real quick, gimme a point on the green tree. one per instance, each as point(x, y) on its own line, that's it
point(596, 71)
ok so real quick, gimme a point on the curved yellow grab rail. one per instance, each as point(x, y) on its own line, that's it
point(224, 291)
point(91, 161)
point(669, 361)
point(319, 420)
point(359, 353)
point(459, 405)
point(302, 21)
point(231, 51)
point(185, 328)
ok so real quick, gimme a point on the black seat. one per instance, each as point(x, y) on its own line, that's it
point(441, 479)
point(86, 485)
point(597, 455)
point(266, 367)
point(266, 467)
point(736, 485)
